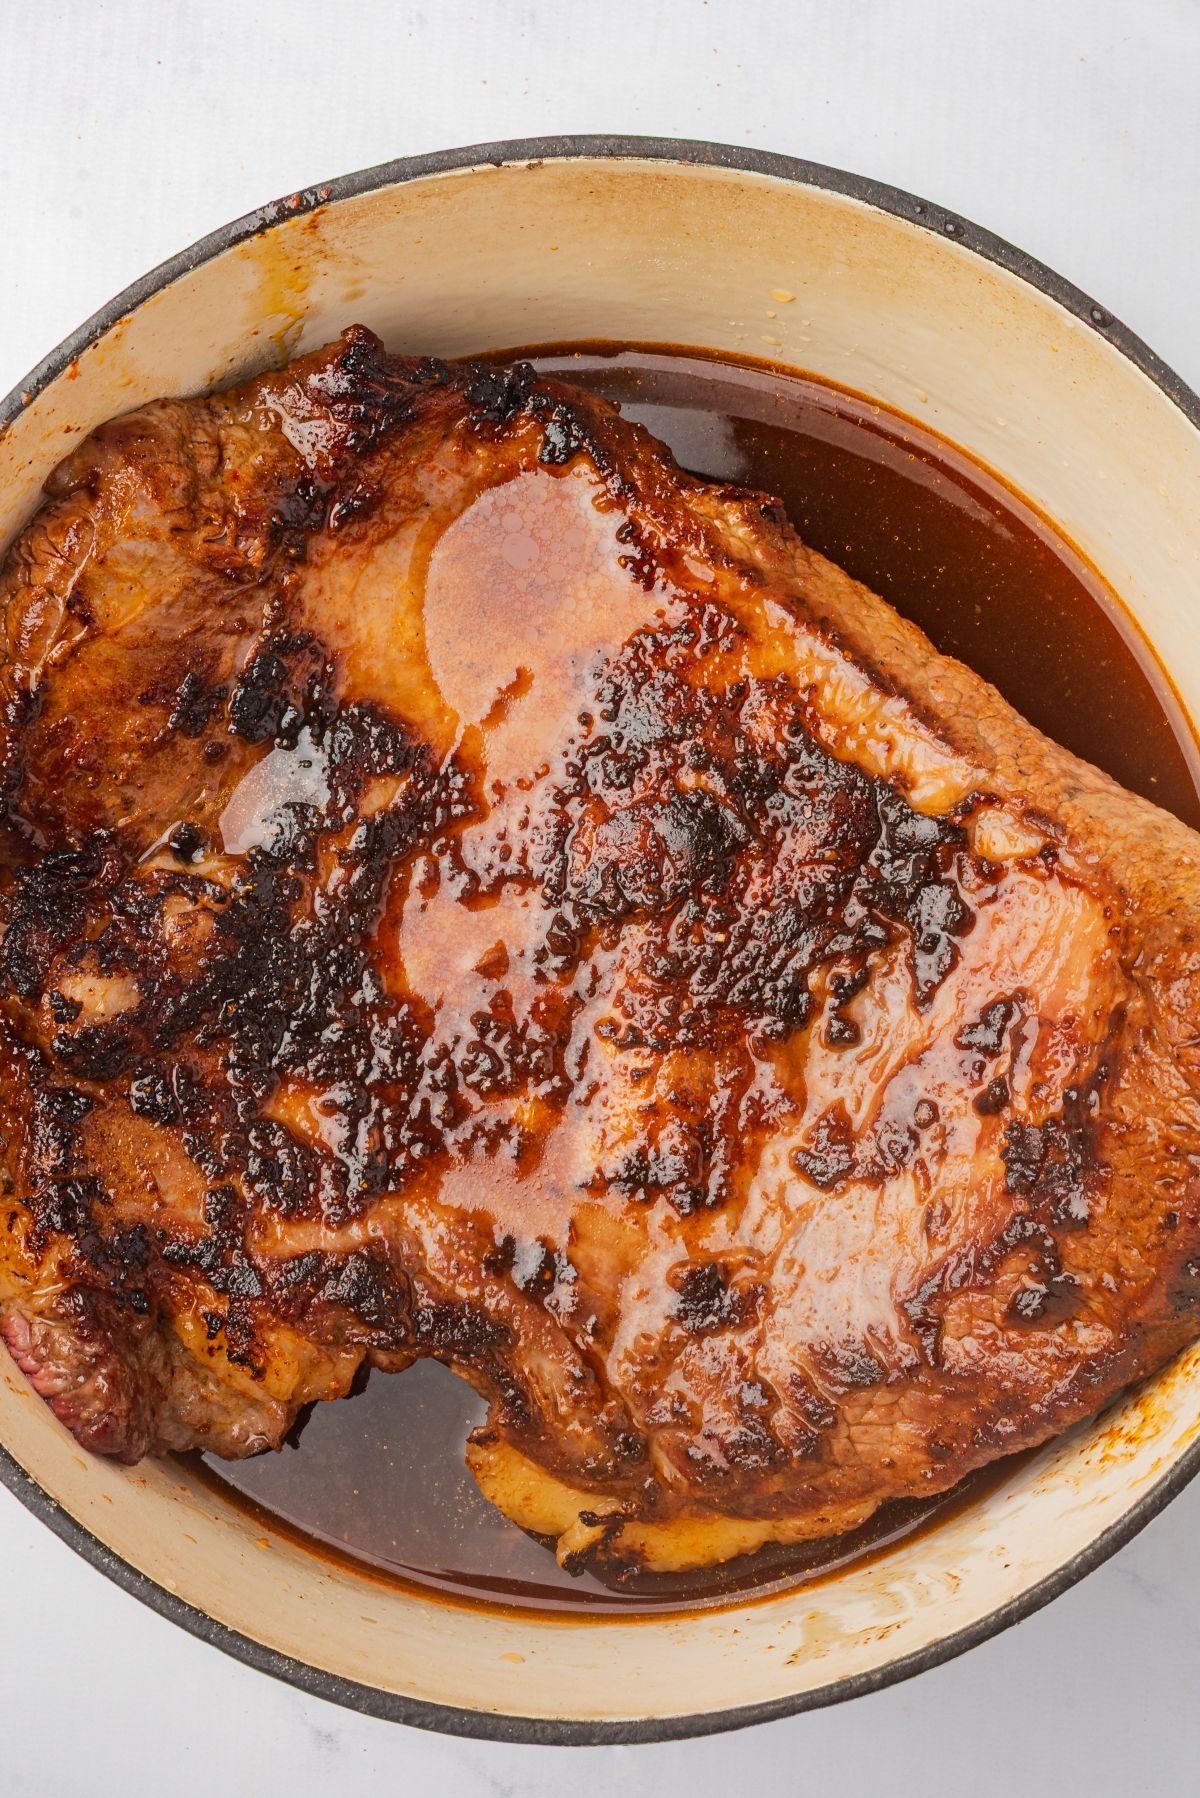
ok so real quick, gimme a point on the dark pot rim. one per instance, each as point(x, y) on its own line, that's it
point(552, 1731)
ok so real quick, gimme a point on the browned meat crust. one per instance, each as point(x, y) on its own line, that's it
point(473, 890)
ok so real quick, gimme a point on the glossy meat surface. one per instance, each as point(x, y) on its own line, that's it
point(473, 890)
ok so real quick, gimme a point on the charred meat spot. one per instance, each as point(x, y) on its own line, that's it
point(676, 1164)
point(853, 1365)
point(1054, 1161)
point(843, 986)
point(1046, 1293)
point(299, 512)
point(553, 1269)
point(296, 994)
point(97, 1052)
point(936, 916)
point(222, 1260)
point(989, 1033)
point(564, 435)
point(706, 1301)
point(649, 857)
point(430, 371)
point(639, 834)
point(195, 704)
point(243, 1281)
point(1030, 1301)
point(220, 1208)
point(300, 1271)
point(909, 877)
point(994, 1097)
point(1022, 1157)
point(368, 1286)
point(186, 843)
point(354, 502)
point(242, 1346)
point(842, 1032)
point(280, 1172)
point(294, 829)
point(363, 743)
point(699, 833)
point(456, 1330)
point(64, 1010)
point(535, 1266)
point(49, 904)
point(55, 1115)
point(259, 702)
point(640, 564)
point(366, 392)
point(498, 394)
point(827, 1159)
point(752, 1448)
point(119, 1262)
point(150, 1096)
point(67, 1206)
point(907, 841)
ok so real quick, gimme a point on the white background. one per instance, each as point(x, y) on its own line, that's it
point(129, 128)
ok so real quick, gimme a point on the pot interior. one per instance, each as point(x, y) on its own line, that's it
point(641, 249)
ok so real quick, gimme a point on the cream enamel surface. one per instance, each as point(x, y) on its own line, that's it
point(650, 251)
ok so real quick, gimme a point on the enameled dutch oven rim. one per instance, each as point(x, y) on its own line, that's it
point(553, 1731)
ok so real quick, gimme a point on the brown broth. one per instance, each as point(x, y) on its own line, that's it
point(382, 1480)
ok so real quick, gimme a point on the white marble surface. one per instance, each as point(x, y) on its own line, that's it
point(130, 127)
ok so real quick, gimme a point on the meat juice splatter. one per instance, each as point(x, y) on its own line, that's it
point(382, 1479)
